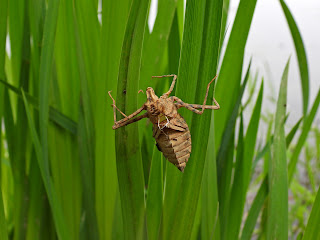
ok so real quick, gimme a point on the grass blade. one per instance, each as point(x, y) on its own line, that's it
point(251, 137)
point(293, 132)
point(55, 115)
point(45, 73)
point(303, 136)
point(129, 165)
point(312, 230)
point(3, 35)
point(255, 209)
point(277, 223)
point(226, 139)
point(301, 54)
point(238, 192)
point(114, 20)
point(155, 195)
point(3, 224)
point(87, 175)
point(202, 29)
point(210, 227)
point(57, 210)
point(230, 73)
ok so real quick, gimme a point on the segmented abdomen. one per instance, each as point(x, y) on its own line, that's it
point(174, 141)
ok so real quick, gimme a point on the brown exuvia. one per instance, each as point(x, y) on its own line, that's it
point(170, 130)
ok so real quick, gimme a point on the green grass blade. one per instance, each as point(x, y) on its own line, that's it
point(293, 132)
point(46, 63)
point(251, 137)
point(155, 195)
point(3, 224)
point(154, 45)
point(230, 74)
point(225, 161)
point(210, 228)
point(114, 20)
point(277, 223)
point(226, 139)
point(55, 206)
point(87, 174)
point(238, 192)
point(3, 35)
point(303, 136)
point(312, 230)
point(255, 209)
point(198, 61)
point(129, 165)
point(301, 54)
point(54, 115)
point(242, 173)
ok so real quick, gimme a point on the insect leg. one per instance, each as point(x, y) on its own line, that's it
point(193, 107)
point(212, 107)
point(172, 84)
point(123, 121)
point(129, 121)
point(115, 108)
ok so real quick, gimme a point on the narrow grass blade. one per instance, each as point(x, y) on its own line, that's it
point(227, 138)
point(238, 191)
point(251, 137)
point(230, 73)
point(56, 207)
point(155, 195)
point(303, 136)
point(55, 115)
point(277, 223)
point(242, 172)
point(45, 73)
point(312, 230)
point(3, 224)
point(210, 228)
point(38, 220)
point(3, 35)
point(154, 45)
point(255, 209)
point(87, 175)
point(225, 160)
point(129, 165)
point(16, 25)
point(301, 54)
point(46, 63)
point(293, 132)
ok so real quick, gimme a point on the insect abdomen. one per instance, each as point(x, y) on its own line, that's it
point(174, 141)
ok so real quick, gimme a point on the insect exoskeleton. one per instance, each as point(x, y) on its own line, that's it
point(170, 130)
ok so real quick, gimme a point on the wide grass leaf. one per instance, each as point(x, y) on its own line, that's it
point(277, 223)
point(197, 66)
point(129, 165)
point(114, 20)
